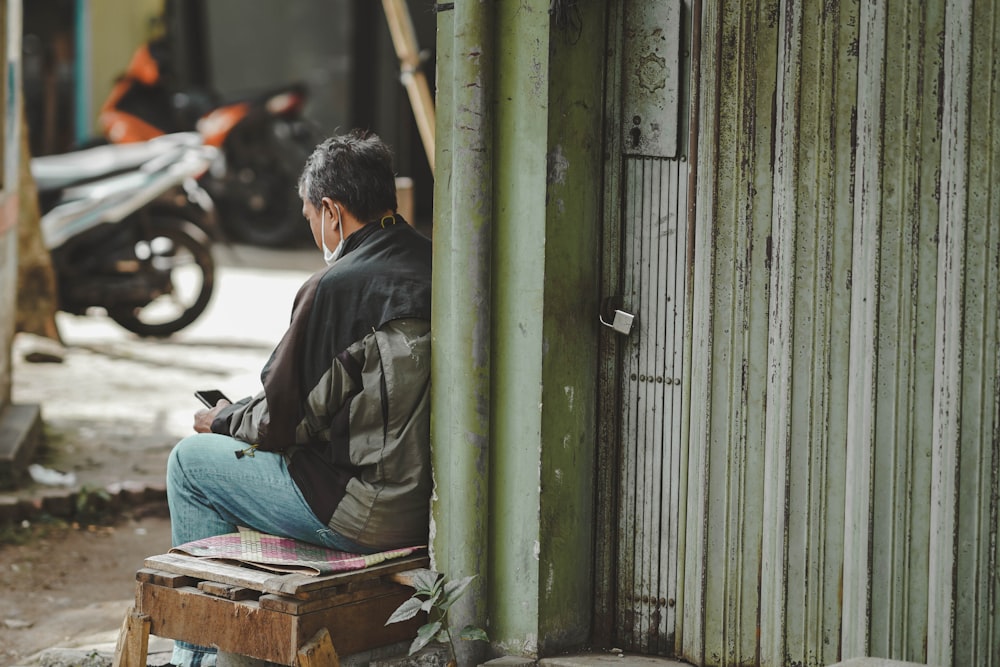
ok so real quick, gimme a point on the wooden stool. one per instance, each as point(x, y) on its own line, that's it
point(289, 619)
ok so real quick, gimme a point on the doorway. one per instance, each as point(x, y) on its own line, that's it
point(646, 282)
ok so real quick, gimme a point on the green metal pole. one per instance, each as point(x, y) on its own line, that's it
point(461, 320)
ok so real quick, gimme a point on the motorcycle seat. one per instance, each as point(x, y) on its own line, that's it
point(55, 172)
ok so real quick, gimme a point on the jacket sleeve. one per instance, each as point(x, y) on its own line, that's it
point(242, 419)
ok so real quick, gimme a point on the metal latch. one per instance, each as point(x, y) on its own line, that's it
point(621, 321)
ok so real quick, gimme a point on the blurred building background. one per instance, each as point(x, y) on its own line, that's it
point(73, 50)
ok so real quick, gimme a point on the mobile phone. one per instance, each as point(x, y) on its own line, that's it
point(210, 397)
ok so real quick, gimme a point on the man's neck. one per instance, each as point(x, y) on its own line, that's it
point(351, 224)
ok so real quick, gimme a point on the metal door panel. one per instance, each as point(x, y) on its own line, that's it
point(654, 287)
point(645, 271)
point(652, 85)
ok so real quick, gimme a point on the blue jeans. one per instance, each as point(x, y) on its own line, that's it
point(211, 492)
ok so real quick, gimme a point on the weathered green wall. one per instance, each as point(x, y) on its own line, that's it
point(516, 280)
point(844, 442)
point(461, 314)
point(729, 357)
point(570, 330)
point(519, 286)
point(844, 430)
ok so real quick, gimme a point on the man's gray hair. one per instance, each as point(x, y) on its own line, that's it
point(354, 169)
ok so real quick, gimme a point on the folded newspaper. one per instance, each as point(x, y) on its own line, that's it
point(283, 554)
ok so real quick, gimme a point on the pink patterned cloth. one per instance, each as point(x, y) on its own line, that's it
point(283, 554)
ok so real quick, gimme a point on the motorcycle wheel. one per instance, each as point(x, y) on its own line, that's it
point(176, 257)
point(259, 204)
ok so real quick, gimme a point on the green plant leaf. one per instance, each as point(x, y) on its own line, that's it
point(424, 636)
point(405, 611)
point(472, 633)
point(443, 637)
point(426, 581)
point(431, 601)
point(453, 590)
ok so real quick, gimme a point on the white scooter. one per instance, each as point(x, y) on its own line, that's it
point(130, 230)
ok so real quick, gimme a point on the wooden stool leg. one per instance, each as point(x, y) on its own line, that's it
point(319, 651)
point(133, 641)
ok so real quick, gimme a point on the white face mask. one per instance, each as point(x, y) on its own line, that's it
point(331, 256)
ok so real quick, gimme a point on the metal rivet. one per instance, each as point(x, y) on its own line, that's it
point(677, 380)
point(659, 378)
point(670, 602)
point(642, 378)
point(633, 376)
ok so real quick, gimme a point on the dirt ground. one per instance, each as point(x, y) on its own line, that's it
point(70, 585)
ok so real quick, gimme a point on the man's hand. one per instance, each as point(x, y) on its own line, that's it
point(203, 418)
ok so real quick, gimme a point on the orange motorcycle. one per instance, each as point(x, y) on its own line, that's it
point(264, 140)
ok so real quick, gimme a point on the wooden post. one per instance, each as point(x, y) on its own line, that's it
point(404, 39)
point(37, 291)
point(319, 651)
point(133, 641)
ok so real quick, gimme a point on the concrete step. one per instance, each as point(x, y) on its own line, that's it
point(877, 662)
point(626, 660)
point(20, 437)
point(609, 660)
point(587, 660)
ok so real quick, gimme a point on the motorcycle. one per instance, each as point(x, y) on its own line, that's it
point(130, 230)
point(264, 139)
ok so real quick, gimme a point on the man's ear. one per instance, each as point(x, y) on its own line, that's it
point(333, 208)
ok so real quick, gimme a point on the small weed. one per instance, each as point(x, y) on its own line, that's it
point(92, 505)
point(434, 595)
